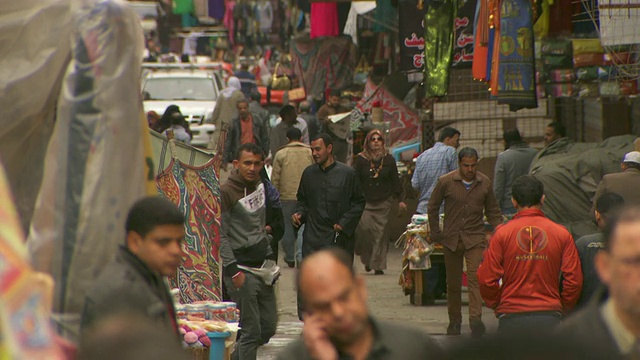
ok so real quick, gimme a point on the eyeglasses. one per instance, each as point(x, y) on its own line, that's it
point(376, 139)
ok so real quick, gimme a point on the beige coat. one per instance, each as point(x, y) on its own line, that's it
point(288, 165)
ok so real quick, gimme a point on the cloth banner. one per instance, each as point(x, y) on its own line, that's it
point(98, 162)
point(324, 63)
point(463, 38)
point(196, 191)
point(411, 32)
point(24, 316)
point(516, 74)
point(404, 121)
point(438, 41)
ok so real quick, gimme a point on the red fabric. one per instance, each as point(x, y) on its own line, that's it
point(246, 131)
point(528, 253)
point(324, 19)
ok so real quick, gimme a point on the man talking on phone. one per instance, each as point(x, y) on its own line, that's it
point(337, 323)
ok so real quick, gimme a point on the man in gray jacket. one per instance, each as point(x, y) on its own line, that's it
point(511, 164)
point(134, 282)
point(245, 250)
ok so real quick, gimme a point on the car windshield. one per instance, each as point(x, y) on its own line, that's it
point(179, 88)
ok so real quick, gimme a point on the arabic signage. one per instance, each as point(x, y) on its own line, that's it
point(411, 30)
point(463, 41)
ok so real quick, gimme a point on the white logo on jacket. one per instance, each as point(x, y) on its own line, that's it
point(254, 201)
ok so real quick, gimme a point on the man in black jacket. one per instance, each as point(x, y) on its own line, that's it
point(246, 128)
point(610, 328)
point(134, 282)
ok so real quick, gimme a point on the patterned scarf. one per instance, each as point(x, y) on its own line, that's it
point(370, 154)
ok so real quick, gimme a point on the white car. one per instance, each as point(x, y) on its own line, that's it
point(194, 91)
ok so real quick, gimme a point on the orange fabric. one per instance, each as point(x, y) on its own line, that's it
point(481, 50)
point(528, 253)
point(246, 134)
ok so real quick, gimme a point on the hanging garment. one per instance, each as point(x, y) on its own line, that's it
point(216, 9)
point(228, 21)
point(438, 41)
point(264, 15)
point(196, 192)
point(494, 41)
point(181, 7)
point(481, 41)
point(324, 19)
point(516, 77)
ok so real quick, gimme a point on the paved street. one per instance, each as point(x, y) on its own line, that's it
point(386, 301)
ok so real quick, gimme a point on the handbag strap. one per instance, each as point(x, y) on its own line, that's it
point(275, 71)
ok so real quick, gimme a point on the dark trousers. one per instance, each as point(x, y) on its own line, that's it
point(533, 322)
point(258, 315)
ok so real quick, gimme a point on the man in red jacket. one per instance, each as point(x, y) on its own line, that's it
point(520, 274)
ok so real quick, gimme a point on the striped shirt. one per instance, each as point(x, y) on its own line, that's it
point(431, 164)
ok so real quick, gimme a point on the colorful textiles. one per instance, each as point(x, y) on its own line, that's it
point(516, 68)
point(196, 191)
point(438, 42)
point(324, 19)
point(323, 64)
point(216, 9)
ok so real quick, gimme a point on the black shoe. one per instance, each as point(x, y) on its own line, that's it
point(291, 264)
point(378, 272)
point(453, 329)
point(367, 268)
point(477, 328)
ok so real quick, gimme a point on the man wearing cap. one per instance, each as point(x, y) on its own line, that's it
point(624, 183)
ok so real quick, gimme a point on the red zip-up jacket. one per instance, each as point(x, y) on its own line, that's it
point(529, 253)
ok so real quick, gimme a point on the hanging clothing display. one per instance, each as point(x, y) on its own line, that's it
point(324, 19)
point(438, 42)
point(516, 74)
point(216, 9)
point(196, 192)
point(481, 41)
point(264, 15)
point(181, 7)
point(228, 21)
point(385, 14)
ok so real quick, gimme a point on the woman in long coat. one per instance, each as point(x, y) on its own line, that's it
point(378, 175)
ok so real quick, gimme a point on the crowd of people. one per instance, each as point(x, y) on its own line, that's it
point(530, 271)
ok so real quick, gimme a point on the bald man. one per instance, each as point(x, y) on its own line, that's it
point(337, 323)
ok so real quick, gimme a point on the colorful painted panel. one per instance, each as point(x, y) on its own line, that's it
point(196, 191)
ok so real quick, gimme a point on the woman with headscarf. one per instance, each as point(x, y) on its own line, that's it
point(378, 175)
point(225, 110)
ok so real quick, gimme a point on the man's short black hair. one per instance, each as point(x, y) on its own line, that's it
point(287, 109)
point(250, 148)
point(242, 101)
point(447, 132)
point(294, 134)
point(628, 214)
point(338, 254)
point(255, 95)
point(326, 138)
point(511, 136)
point(632, 165)
point(467, 152)
point(334, 92)
point(558, 128)
point(608, 203)
point(152, 211)
point(527, 191)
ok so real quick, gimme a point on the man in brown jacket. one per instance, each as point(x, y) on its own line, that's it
point(288, 165)
point(467, 195)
